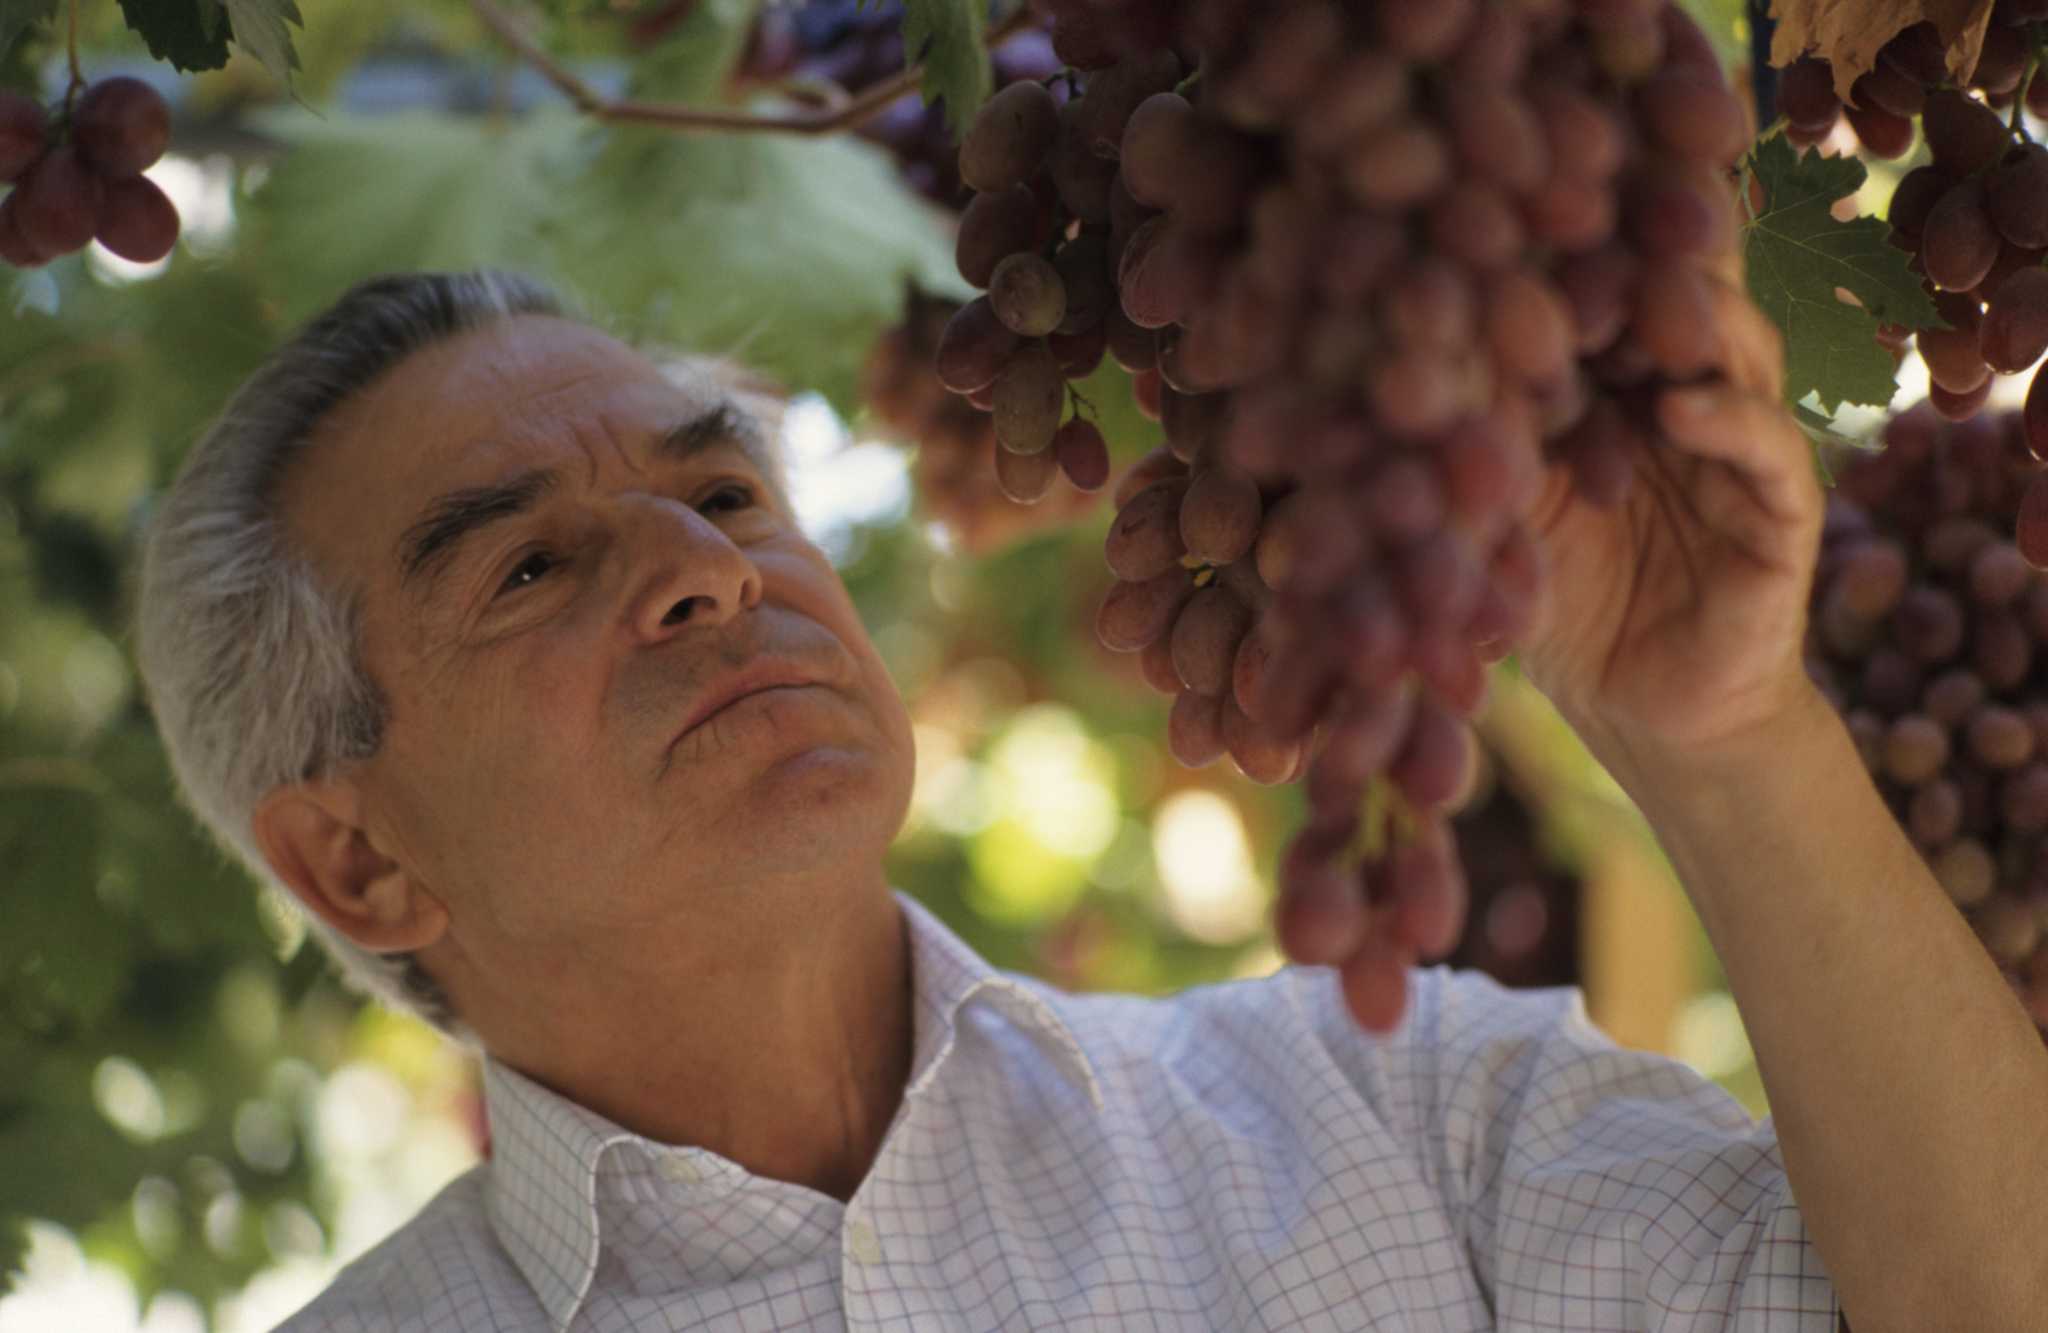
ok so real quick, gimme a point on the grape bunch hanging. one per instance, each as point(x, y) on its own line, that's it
point(77, 175)
point(1375, 266)
point(1975, 217)
point(1929, 631)
point(955, 481)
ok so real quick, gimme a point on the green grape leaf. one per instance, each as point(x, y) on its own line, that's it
point(177, 31)
point(946, 35)
point(786, 253)
point(260, 28)
point(16, 17)
point(451, 193)
point(1797, 253)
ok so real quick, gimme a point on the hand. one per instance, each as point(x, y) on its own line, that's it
point(1675, 621)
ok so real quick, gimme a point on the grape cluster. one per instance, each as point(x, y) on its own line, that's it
point(855, 46)
point(1372, 266)
point(956, 481)
point(1975, 217)
point(80, 179)
point(1929, 632)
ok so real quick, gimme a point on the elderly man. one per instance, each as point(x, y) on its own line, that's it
point(502, 651)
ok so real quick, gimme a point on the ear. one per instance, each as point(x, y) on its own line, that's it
point(312, 835)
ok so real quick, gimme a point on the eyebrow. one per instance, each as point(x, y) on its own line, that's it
point(430, 545)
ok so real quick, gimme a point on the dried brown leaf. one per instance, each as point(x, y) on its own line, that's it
point(1848, 33)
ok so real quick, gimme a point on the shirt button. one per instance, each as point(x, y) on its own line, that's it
point(679, 1168)
point(860, 1238)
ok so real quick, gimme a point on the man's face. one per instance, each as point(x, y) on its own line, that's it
point(549, 591)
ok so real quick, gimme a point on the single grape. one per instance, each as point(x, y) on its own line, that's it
point(1155, 663)
point(1871, 578)
point(1882, 133)
point(1999, 574)
point(1999, 737)
point(1966, 871)
point(2016, 197)
point(1918, 52)
point(1397, 164)
point(974, 347)
point(1028, 397)
point(995, 225)
point(57, 204)
point(1194, 728)
point(121, 126)
point(1914, 197)
point(1886, 88)
point(1161, 146)
point(1082, 453)
point(1499, 137)
point(1963, 135)
point(1027, 295)
point(1083, 181)
point(1928, 624)
point(1695, 118)
point(2014, 333)
point(1806, 95)
point(1529, 327)
point(1206, 636)
point(1010, 137)
point(1934, 815)
point(1435, 762)
point(1089, 282)
point(1219, 518)
point(1026, 478)
point(138, 221)
point(1674, 319)
point(1134, 614)
point(1915, 748)
point(1144, 540)
point(1257, 754)
point(1165, 271)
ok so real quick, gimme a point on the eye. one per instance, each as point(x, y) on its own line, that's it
point(741, 496)
point(528, 571)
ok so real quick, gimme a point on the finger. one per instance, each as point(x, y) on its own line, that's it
point(1750, 433)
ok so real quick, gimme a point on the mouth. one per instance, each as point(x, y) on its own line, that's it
point(725, 694)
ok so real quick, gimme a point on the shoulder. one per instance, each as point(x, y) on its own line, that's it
point(442, 1272)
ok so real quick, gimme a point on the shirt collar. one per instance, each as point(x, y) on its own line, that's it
point(541, 1190)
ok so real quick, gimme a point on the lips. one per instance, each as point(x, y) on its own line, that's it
point(740, 684)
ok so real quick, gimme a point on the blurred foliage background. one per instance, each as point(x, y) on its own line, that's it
point(197, 1125)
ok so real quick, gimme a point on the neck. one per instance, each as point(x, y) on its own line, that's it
point(780, 1039)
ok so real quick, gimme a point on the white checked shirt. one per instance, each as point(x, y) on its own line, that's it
point(1238, 1156)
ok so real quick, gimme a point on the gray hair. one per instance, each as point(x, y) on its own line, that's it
point(250, 656)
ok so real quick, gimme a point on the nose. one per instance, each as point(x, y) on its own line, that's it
point(684, 569)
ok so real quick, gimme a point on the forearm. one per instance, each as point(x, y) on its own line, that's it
point(1907, 1084)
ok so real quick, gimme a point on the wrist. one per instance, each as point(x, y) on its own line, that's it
point(1778, 729)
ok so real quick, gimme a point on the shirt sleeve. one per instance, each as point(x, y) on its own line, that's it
point(1596, 1187)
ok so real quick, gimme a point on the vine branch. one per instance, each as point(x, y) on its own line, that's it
point(849, 113)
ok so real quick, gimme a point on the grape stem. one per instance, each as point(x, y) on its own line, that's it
point(77, 75)
point(683, 118)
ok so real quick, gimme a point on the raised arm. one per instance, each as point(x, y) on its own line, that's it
point(1907, 1083)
